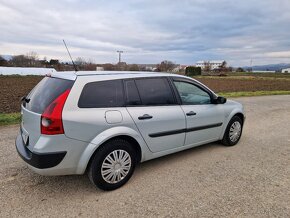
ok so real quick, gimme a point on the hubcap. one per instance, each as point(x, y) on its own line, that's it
point(235, 131)
point(116, 166)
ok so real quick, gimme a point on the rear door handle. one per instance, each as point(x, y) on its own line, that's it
point(145, 117)
point(191, 113)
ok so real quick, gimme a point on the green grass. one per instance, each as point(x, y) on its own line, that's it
point(243, 77)
point(274, 75)
point(255, 93)
point(11, 118)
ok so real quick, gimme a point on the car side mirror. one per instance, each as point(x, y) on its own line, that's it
point(220, 100)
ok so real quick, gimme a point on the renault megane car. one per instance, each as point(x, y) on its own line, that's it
point(104, 123)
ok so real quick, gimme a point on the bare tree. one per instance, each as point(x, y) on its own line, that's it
point(239, 69)
point(223, 67)
point(3, 61)
point(32, 58)
point(207, 66)
point(224, 64)
point(133, 67)
point(80, 61)
point(165, 66)
point(121, 66)
point(90, 65)
point(19, 61)
point(109, 67)
point(54, 62)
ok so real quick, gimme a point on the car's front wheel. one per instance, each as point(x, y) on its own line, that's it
point(112, 165)
point(233, 131)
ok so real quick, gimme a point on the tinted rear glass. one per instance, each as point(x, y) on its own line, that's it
point(45, 92)
point(132, 96)
point(102, 94)
point(155, 91)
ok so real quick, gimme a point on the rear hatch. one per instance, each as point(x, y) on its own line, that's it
point(36, 102)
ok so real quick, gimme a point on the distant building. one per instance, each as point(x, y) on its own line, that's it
point(212, 64)
point(263, 71)
point(147, 67)
point(99, 68)
point(179, 68)
point(287, 70)
point(150, 68)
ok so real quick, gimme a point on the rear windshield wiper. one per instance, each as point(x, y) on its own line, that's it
point(24, 98)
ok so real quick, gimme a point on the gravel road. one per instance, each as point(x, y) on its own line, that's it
point(251, 179)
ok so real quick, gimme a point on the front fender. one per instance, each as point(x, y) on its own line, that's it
point(105, 136)
point(229, 117)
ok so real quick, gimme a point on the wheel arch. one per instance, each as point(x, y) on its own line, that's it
point(130, 139)
point(129, 135)
point(238, 113)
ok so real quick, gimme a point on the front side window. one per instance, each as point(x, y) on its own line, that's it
point(155, 91)
point(191, 94)
point(102, 94)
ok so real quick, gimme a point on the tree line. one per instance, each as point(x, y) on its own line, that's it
point(32, 59)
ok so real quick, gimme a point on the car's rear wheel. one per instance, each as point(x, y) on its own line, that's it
point(233, 131)
point(112, 165)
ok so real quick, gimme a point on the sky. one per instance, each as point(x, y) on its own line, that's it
point(148, 31)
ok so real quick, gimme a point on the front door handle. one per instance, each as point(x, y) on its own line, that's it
point(191, 113)
point(145, 117)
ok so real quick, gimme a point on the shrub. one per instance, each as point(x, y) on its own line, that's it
point(192, 71)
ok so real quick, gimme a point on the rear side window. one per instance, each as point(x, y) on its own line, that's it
point(155, 91)
point(102, 94)
point(45, 92)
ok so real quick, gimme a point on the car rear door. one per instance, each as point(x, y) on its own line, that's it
point(154, 109)
point(204, 120)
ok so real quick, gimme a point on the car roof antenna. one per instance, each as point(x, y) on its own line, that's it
point(76, 69)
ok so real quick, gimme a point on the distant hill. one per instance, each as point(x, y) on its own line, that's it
point(7, 57)
point(270, 67)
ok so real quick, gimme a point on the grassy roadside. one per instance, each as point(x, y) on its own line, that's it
point(246, 77)
point(11, 118)
point(14, 118)
point(249, 94)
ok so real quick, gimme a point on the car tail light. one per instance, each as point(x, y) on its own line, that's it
point(51, 119)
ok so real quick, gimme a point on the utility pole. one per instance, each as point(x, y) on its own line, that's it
point(120, 52)
point(251, 65)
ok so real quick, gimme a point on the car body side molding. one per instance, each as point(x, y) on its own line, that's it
point(178, 131)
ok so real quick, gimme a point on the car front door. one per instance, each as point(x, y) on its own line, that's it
point(154, 109)
point(204, 120)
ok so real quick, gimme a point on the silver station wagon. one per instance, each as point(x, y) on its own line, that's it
point(104, 123)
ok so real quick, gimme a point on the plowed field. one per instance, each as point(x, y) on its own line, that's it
point(12, 88)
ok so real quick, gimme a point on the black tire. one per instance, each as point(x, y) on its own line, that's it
point(226, 139)
point(94, 171)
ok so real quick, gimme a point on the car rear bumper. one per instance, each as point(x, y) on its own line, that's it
point(38, 160)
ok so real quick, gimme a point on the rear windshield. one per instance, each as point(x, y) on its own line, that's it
point(45, 92)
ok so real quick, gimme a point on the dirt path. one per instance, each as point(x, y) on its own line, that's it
point(251, 179)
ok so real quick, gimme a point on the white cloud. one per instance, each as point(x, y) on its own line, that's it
point(148, 31)
point(278, 54)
